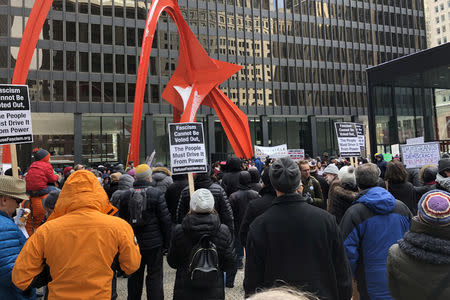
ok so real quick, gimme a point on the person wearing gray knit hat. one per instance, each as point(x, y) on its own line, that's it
point(285, 175)
point(330, 173)
point(202, 201)
point(49, 202)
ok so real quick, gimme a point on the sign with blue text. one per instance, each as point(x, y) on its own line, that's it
point(15, 115)
point(187, 148)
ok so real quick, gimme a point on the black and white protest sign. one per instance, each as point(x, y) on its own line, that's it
point(15, 115)
point(419, 155)
point(187, 148)
point(347, 136)
point(360, 129)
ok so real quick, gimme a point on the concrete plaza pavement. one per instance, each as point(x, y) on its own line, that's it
point(169, 280)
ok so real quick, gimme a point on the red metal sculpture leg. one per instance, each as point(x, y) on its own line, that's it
point(197, 77)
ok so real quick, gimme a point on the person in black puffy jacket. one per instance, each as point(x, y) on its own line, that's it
point(221, 203)
point(230, 179)
point(201, 220)
point(173, 194)
point(239, 201)
point(257, 206)
point(153, 237)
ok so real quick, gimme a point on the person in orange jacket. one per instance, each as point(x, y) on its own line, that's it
point(73, 252)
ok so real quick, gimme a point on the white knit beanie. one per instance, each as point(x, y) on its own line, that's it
point(347, 175)
point(202, 201)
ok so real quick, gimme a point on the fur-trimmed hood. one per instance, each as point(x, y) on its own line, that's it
point(345, 194)
point(161, 170)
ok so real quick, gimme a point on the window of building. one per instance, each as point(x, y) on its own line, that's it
point(437, 20)
point(438, 30)
point(445, 39)
point(436, 9)
point(441, 6)
point(438, 41)
point(443, 28)
point(443, 18)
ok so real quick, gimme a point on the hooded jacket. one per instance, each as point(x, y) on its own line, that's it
point(418, 267)
point(370, 226)
point(125, 183)
point(78, 243)
point(11, 242)
point(161, 177)
point(240, 199)
point(221, 203)
point(184, 237)
point(230, 179)
point(255, 208)
point(173, 194)
point(39, 175)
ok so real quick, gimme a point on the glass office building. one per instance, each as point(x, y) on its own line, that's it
point(303, 64)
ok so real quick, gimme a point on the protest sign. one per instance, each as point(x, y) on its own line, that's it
point(419, 155)
point(360, 130)
point(395, 149)
point(347, 137)
point(272, 152)
point(187, 148)
point(296, 154)
point(414, 141)
point(15, 115)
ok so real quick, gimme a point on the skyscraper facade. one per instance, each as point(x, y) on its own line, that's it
point(303, 68)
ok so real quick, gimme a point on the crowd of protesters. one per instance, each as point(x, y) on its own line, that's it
point(320, 225)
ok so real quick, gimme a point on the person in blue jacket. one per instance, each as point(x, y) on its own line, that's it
point(12, 193)
point(374, 222)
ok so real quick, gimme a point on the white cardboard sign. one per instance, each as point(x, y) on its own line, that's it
point(15, 115)
point(296, 154)
point(272, 152)
point(419, 155)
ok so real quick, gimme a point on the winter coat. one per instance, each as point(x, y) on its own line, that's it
point(418, 267)
point(370, 226)
point(11, 242)
point(161, 177)
point(414, 177)
point(312, 186)
point(230, 179)
point(125, 183)
point(157, 228)
point(78, 244)
point(111, 188)
point(173, 195)
point(405, 192)
point(184, 238)
point(298, 244)
point(254, 184)
point(382, 165)
point(336, 182)
point(37, 213)
point(239, 201)
point(443, 183)
point(254, 209)
point(39, 175)
point(324, 186)
point(421, 190)
point(344, 195)
point(221, 203)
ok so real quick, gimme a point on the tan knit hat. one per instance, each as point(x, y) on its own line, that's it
point(13, 187)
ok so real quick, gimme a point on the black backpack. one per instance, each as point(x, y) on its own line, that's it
point(137, 204)
point(204, 263)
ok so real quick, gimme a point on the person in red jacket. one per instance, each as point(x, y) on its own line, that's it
point(40, 176)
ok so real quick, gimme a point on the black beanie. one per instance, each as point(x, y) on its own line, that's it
point(285, 175)
point(444, 165)
point(40, 154)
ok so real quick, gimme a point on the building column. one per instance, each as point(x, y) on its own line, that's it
point(264, 120)
point(312, 121)
point(149, 145)
point(211, 135)
point(372, 121)
point(77, 138)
